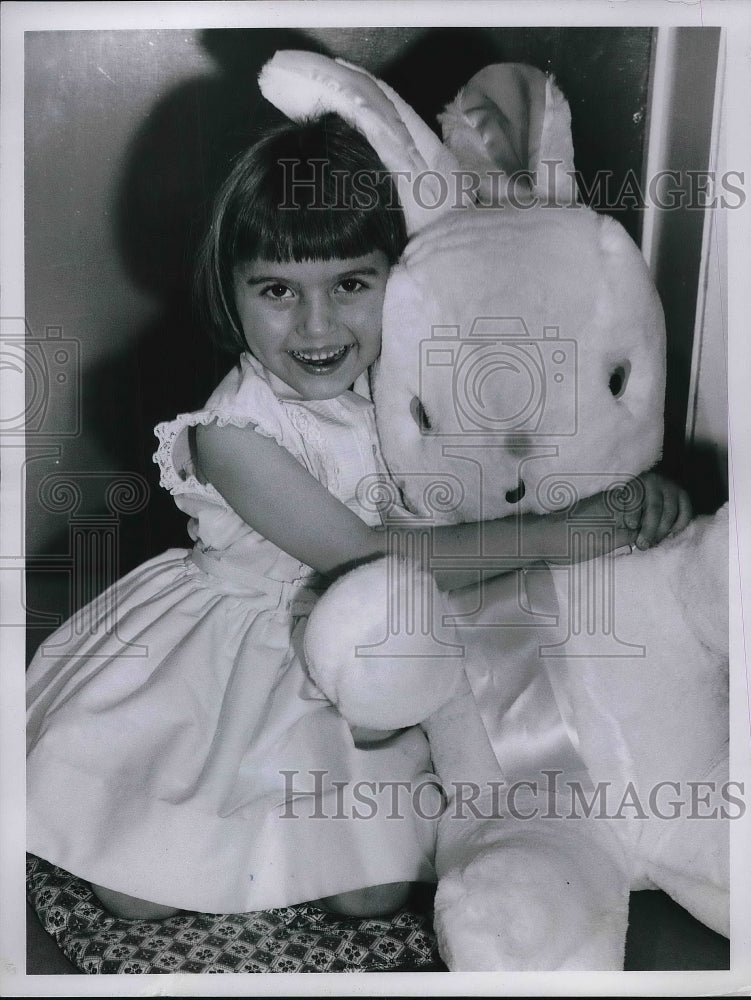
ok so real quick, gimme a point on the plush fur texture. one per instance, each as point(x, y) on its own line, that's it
point(508, 327)
point(515, 119)
point(528, 878)
point(523, 366)
point(358, 653)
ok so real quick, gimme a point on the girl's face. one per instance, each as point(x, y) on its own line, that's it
point(315, 324)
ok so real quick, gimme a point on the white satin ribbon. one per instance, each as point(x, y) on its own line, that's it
point(522, 697)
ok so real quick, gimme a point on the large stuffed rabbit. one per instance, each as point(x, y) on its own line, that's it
point(577, 715)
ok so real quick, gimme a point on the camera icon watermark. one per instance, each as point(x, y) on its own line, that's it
point(41, 376)
point(503, 380)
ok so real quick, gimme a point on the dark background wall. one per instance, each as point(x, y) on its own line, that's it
point(128, 134)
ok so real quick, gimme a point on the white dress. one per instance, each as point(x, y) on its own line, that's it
point(174, 736)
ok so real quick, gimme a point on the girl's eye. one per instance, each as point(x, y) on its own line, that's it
point(277, 291)
point(350, 285)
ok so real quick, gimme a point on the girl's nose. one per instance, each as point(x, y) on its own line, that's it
point(318, 315)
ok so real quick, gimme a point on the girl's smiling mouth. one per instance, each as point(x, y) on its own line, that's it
point(322, 361)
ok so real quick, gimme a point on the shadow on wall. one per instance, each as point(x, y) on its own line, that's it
point(173, 169)
point(188, 141)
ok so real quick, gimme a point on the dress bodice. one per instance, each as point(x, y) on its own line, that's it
point(334, 439)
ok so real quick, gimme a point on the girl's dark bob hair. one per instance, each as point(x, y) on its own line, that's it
point(314, 190)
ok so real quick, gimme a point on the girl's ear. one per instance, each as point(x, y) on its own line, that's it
point(512, 126)
point(305, 84)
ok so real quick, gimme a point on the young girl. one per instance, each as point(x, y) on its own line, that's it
point(183, 758)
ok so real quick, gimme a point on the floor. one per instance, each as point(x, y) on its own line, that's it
point(662, 936)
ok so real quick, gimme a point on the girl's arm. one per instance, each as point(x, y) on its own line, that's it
point(275, 495)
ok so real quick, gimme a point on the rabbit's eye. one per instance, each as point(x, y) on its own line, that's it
point(618, 379)
point(517, 494)
point(419, 415)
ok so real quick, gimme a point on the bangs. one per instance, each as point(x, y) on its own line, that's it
point(285, 234)
point(318, 192)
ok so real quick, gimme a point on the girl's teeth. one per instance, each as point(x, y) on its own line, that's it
point(318, 355)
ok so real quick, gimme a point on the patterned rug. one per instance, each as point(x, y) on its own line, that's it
point(290, 939)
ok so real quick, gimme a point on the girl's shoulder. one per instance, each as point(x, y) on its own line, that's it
point(243, 398)
point(244, 390)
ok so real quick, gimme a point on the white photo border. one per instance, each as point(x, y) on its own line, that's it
point(19, 17)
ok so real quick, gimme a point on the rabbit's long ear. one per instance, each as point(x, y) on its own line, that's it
point(512, 126)
point(305, 84)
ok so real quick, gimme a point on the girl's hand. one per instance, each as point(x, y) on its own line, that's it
point(665, 510)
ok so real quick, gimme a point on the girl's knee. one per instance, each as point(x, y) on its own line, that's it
point(374, 901)
point(131, 907)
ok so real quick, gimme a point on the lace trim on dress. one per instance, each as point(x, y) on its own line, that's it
point(175, 474)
